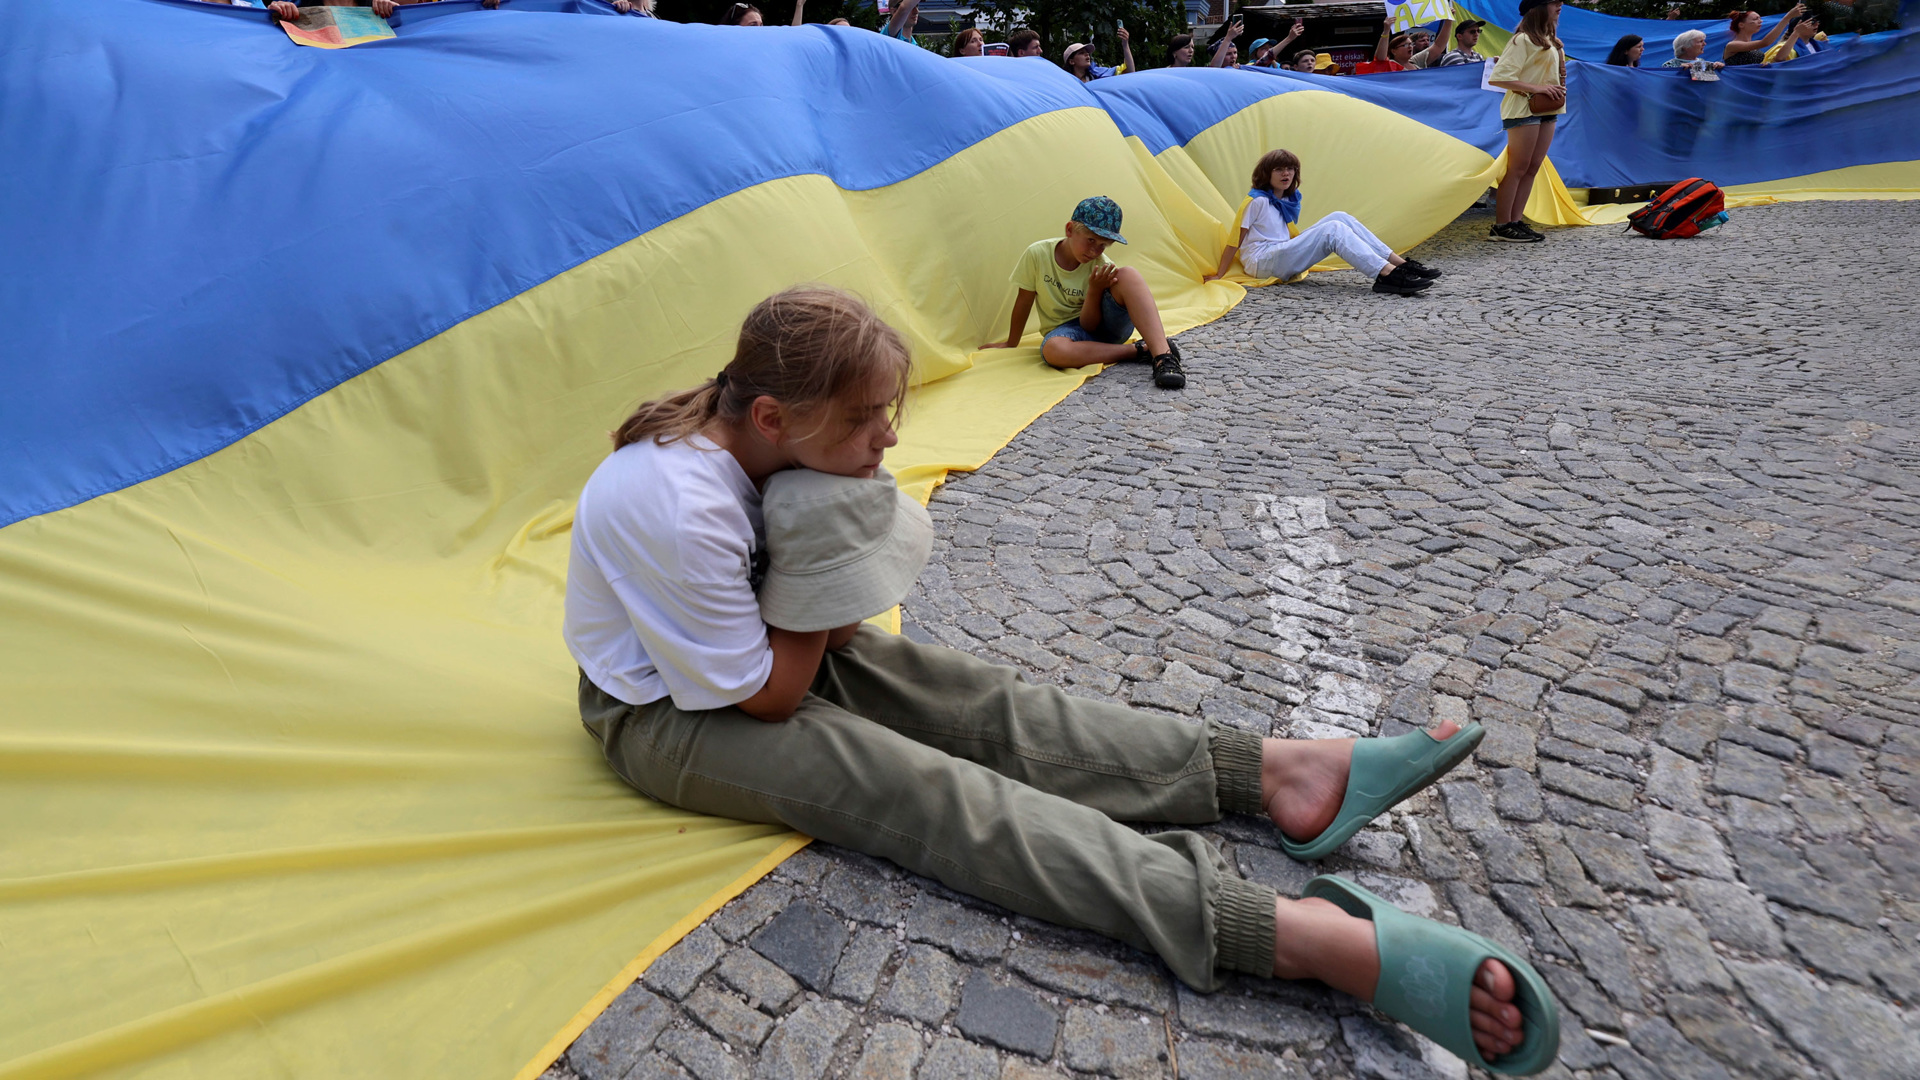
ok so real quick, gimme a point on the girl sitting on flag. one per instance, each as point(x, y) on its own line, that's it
point(1273, 245)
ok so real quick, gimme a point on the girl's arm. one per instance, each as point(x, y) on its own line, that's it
point(796, 660)
point(1226, 257)
point(1126, 51)
point(1022, 307)
point(799, 7)
point(1439, 47)
point(837, 638)
point(901, 16)
point(1233, 31)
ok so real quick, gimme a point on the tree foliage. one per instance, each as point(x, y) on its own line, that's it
point(1150, 23)
point(1863, 17)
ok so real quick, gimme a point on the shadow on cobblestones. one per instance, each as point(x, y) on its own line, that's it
point(1647, 511)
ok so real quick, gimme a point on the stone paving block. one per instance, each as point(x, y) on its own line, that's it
point(1587, 710)
point(1383, 1052)
point(1583, 783)
point(966, 932)
point(1205, 1059)
point(924, 985)
point(805, 941)
point(1682, 944)
point(1260, 1021)
point(1687, 843)
point(702, 1055)
point(860, 893)
point(1777, 872)
point(1857, 1034)
point(1517, 795)
point(681, 966)
point(1468, 808)
point(1481, 915)
point(1675, 782)
point(1087, 974)
point(857, 975)
point(1734, 915)
point(1602, 953)
point(1613, 862)
point(1507, 858)
point(653, 1066)
point(802, 1048)
point(751, 910)
point(1114, 1044)
point(1751, 682)
point(1506, 744)
point(1577, 992)
point(955, 1059)
point(621, 1035)
point(737, 1025)
point(1692, 729)
point(1709, 1024)
point(1523, 906)
point(1273, 869)
point(890, 1053)
point(1740, 771)
point(763, 983)
point(1516, 687)
point(1009, 1017)
point(1615, 692)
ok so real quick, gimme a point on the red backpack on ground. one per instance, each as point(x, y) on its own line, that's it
point(1688, 208)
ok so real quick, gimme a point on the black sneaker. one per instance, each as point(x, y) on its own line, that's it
point(1166, 372)
point(1141, 354)
point(1401, 283)
point(1421, 269)
point(1530, 230)
point(1514, 233)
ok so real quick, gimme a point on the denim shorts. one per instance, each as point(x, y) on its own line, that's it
point(1523, 121)
point(1116, 326)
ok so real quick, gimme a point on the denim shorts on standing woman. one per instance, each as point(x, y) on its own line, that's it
point(1116, 326)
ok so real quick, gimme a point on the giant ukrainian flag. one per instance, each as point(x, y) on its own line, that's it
point(306, 355)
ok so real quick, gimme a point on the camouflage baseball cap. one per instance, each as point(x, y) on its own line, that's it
point(1101, 215)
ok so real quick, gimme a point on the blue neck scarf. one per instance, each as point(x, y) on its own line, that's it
point(1289, 207)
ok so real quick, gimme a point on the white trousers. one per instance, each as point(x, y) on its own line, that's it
point(1339, 233)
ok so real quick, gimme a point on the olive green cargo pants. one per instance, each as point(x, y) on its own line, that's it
point(956, 769)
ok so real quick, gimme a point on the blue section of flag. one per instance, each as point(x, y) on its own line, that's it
point(205, 226)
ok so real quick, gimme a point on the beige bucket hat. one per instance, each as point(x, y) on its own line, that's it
point(840, 549)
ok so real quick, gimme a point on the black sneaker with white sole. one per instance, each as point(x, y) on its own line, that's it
point(1400, 282)
point(1166, 372)
point(1513, 232)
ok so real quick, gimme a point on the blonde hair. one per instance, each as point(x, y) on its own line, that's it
point(807, 347)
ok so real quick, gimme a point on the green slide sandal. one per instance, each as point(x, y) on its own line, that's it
point(1385, 771)
point(1426, 971)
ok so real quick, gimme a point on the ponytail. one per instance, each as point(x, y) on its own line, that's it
point(672, 418)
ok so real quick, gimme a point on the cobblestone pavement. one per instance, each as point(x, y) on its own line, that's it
point(1646, 510)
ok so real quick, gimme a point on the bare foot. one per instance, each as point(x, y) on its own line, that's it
point(1315, 939)
point(1303, 781)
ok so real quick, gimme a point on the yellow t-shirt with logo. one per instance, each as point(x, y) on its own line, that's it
point(1058, 294)
point(1526, 62)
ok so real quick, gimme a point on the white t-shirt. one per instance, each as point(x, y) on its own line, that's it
point(1265, 228)
point(668, 546)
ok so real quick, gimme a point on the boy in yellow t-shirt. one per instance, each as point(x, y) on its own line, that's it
point(1088, 306)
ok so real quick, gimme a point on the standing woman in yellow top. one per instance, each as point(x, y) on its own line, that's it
point(1533, 67)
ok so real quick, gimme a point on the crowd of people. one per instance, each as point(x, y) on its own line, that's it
point(1797, 34)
